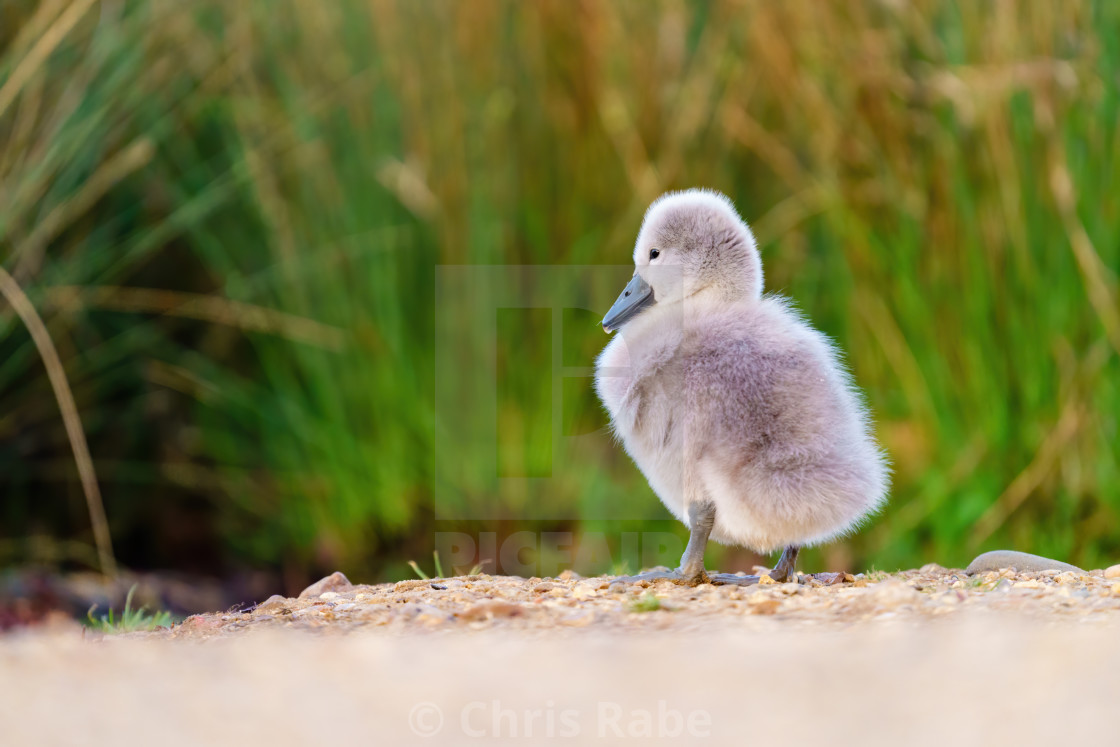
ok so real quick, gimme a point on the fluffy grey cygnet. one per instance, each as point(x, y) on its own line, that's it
point(739, 414)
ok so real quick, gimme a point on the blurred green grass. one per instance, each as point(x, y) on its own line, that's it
point(230, 216)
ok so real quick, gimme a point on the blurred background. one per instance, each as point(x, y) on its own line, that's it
point(221, 226)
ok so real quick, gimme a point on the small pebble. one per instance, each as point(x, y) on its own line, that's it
point(272, 605)
point(334, 582)
point(488, 610)
point(585, 591)
point(426, 614)
point(1029, 584)
point(765, 605)
point(1113, 571)
point(578, 619)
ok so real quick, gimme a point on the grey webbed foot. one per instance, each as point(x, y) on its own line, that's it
point(732, 579)
point(701, 517)
point(664, 574)
point(784, 571)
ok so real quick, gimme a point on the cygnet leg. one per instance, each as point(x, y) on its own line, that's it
point(701, 518)
point(786, 570)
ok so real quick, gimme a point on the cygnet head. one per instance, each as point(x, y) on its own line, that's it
point(703, 246)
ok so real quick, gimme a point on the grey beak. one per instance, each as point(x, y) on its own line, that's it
point(637, 296)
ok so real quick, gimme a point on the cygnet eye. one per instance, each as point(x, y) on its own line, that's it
point(654, 253)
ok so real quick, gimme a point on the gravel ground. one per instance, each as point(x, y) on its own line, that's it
point(536, 605)
point(932, 656)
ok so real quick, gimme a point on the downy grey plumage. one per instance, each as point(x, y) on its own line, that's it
point(739, 414)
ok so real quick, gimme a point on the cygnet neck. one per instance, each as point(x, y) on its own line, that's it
point(723, 294)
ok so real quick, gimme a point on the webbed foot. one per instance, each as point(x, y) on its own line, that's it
point(732, 579)
point(664, 574)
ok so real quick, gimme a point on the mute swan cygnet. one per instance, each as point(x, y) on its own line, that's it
point(739, 413)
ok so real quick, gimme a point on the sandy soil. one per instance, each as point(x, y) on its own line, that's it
point(504, 603)
point(932, 656)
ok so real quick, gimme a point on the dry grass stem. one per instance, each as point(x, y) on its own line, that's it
point(22, 305)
